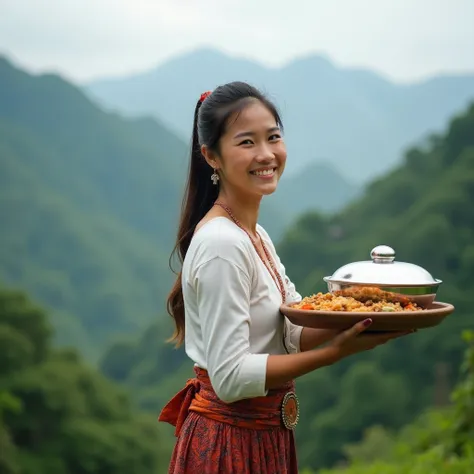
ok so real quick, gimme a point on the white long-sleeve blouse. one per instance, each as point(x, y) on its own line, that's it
point(233, 322)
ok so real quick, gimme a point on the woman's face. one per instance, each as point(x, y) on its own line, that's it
point(252, 153)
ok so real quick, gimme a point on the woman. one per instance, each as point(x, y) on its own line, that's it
point(238, 414)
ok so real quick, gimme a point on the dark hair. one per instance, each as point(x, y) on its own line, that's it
point(210, 120)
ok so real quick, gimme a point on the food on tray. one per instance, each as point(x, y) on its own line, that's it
point(372, 293)
point(359, 300)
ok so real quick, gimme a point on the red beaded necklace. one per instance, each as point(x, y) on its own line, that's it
point(272, 270)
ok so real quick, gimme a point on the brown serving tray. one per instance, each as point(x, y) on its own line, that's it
point(390, 321)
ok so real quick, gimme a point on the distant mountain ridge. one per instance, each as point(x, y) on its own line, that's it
point(355, 120)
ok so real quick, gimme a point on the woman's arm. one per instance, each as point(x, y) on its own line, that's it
point(286, 367)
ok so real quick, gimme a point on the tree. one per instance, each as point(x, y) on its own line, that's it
point(59, 416)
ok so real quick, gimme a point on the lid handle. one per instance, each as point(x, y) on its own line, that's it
point(382, 254)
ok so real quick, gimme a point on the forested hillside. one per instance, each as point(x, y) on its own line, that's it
point(440, 441)
point(425, 210)
point(57, 415)
point(99, 160)
point(83, 199)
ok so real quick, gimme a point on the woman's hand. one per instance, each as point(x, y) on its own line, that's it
point(354, 340)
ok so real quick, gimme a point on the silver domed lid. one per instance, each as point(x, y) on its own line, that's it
point(383, 270)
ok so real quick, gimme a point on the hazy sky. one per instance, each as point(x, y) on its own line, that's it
point(83, 39)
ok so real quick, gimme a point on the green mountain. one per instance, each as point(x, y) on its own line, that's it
point(84, 199)
point(98, 158)
point(356, 120)
point(425, 210)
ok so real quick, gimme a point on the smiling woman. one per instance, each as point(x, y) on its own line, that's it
point(239, 412)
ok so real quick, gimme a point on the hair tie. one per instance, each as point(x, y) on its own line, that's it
point(204, 96)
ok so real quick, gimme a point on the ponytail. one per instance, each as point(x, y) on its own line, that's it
point(199, 196)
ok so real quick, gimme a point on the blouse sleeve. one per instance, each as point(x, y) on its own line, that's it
point(223, 296)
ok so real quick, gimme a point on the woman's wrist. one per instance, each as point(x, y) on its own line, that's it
point(311, 338)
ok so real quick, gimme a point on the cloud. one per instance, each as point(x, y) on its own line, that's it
point(403, 38)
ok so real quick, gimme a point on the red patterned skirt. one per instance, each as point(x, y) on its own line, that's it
point(245, 437)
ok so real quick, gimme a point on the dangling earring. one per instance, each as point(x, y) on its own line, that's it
point(215, 177)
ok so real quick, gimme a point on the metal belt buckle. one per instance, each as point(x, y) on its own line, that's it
point(290, 410)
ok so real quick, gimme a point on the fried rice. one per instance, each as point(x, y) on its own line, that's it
point(357, 300)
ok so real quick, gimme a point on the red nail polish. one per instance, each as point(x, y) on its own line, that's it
point(367, 322)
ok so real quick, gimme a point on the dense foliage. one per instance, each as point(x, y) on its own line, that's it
point(59, 416)
point(438, 442)
point(425, 211)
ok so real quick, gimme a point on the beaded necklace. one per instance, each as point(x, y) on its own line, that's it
point(272, 270)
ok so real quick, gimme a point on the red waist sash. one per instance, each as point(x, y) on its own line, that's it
point(278, 407)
